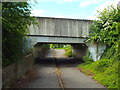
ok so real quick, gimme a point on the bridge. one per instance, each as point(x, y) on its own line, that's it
point(59, 30)
point(66, 31)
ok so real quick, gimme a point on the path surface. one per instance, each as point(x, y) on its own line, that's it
point(46, 79)
point(64, 75)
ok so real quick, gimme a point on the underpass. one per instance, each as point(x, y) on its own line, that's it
point(58, 71)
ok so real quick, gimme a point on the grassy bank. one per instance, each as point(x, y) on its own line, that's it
point(105, 74)
point(105, 70)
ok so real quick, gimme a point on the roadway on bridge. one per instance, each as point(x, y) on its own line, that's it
point(59, 72)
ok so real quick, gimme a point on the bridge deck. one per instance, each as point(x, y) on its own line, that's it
point(60, 27)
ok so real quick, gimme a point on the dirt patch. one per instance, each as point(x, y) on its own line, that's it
point(29, 76)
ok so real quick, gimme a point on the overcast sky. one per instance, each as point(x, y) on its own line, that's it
point(77, 9)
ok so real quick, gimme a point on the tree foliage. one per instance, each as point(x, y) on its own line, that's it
point(54, 46)
point(15, 20)
point(105, 30)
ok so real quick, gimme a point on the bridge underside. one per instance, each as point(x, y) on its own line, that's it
point(49, 39)
point(76, 42)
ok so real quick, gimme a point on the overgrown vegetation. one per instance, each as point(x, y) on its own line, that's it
point(105, 70)
point(58, 46)
point(87, 60)
point(68, 50)
point(15, 20)
point(106, 31)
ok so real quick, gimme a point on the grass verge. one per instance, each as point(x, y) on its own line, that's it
point(104, 71)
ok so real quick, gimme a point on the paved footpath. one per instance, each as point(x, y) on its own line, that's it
point(46, 79)
point(69, 75)
point(73, 78)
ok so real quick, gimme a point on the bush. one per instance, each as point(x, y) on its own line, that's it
point(68, 53)
point(15, 21)
point(30, 50)
point(68, 50)
point(87, 60)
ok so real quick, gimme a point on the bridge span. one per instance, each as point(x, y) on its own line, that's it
point(59, 30)
point(65, 31)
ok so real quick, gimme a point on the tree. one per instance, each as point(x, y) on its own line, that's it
point(105, 30)
point(15, 20)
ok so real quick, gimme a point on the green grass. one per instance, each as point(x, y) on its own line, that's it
point(105, 71)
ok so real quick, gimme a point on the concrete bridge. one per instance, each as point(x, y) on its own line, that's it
point(62, 30)
point(59, 30)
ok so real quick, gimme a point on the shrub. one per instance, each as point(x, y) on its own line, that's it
point(87, 60)
point(68, 53)
point(68, 50)
point(15, 21)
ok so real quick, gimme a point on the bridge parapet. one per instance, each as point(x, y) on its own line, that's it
point(60, 27)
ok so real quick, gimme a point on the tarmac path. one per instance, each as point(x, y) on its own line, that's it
point(58, 71)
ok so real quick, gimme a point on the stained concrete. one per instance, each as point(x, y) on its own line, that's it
point(60, 27)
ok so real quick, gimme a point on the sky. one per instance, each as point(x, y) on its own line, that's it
point(75, 9)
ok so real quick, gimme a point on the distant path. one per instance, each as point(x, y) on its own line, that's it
point(60, 53)
point(56, 53)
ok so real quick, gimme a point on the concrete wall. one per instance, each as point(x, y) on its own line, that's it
point(40, 51)
point(16, 70)
point(79, 50)
point(60, 27)
point(96, 50)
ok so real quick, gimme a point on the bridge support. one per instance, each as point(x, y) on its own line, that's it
point(96, 50)
point(79, 50)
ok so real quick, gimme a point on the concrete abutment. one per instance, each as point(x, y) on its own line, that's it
point(95, 49)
